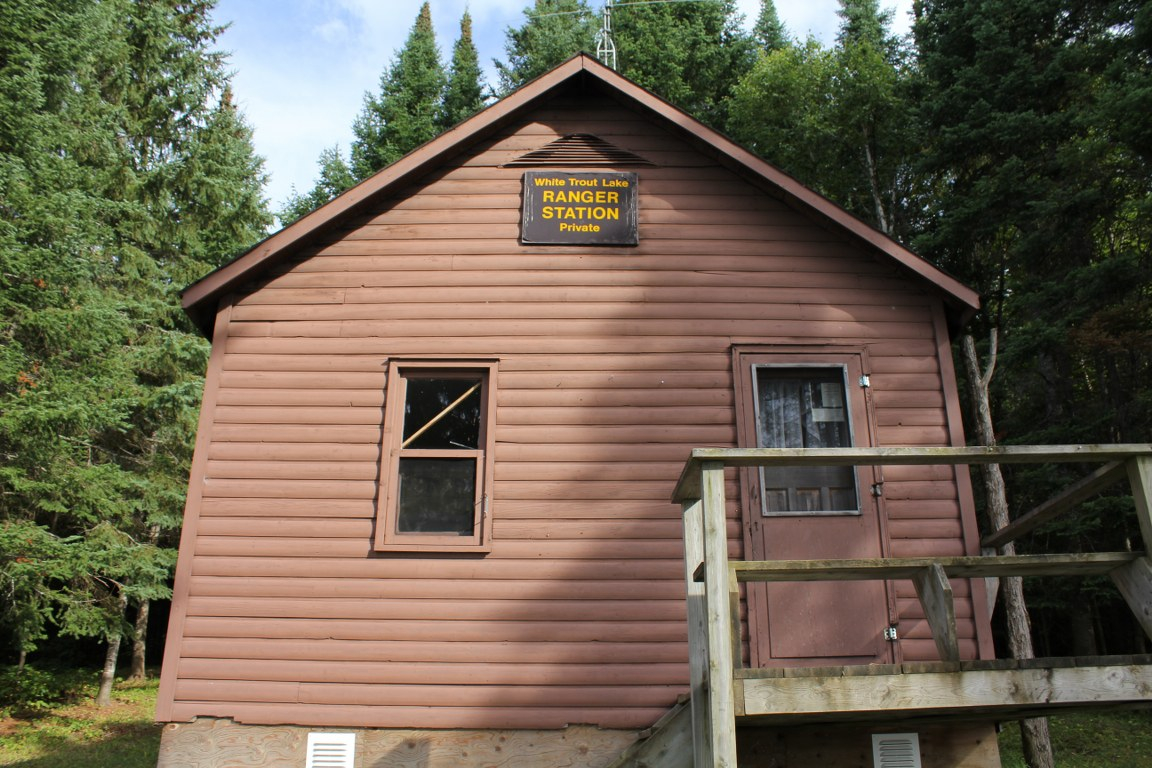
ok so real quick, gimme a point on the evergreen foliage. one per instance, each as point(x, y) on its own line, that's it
point(125, 172)
point(404, 114)
point(464, 91)
point(335, 177)
point(1037, 114)
point(691, 54)
point(418, 99)
point(769, 32)
point(554, 31)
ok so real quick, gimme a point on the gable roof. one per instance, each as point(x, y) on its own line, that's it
point(201, 298)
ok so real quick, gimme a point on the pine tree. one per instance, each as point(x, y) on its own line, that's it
point(1042, 189)
point(122, 174)
point(862, 21)
point(769, 32)
point(417, 100)
point(464, 92)
point(404, 114)
point(335, 178)
point(555, 30)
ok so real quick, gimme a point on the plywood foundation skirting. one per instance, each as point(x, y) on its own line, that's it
point(942, 746)
point(209, 743)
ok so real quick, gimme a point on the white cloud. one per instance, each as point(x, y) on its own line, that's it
point(333, 31)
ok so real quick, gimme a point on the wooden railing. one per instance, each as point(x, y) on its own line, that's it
point(713, 582)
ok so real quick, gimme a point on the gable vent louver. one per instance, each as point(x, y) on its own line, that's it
point(896, 750)
point(578, 149)
point(331, 750)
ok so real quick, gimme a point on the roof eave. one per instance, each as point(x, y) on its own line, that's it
point(200, 299)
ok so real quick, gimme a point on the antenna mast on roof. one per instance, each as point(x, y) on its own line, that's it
point(605, 45)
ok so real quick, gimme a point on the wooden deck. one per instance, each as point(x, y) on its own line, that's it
point(1006, 689)
point(723, 694)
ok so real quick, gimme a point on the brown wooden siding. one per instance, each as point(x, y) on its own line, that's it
point(614, 362)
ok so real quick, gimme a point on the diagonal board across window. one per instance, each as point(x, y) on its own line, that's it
point(563, 208)
point(436, 476)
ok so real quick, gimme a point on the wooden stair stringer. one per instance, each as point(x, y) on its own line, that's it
point(667, 744)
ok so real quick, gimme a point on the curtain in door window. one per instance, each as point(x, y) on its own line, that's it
point(804, 408)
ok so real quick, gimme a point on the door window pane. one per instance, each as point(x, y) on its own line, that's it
point(804, 408)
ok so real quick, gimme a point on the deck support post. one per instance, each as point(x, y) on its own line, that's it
point(721, 701)
point(1140, 478)
point(1135, 580)
point(935, 595)
point(1135, 583)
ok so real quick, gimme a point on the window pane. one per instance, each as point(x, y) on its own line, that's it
point(437, 496)
point(427, 399)
point(804, 408)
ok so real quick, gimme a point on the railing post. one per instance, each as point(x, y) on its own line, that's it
point(697, 632)
point(721, 702)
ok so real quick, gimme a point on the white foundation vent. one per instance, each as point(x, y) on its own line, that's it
point(331, 750)
point(896, 750)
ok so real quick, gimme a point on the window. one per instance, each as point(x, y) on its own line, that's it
point(436, 465)
point(804, 407)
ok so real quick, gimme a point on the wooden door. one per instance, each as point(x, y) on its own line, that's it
point(811, 400)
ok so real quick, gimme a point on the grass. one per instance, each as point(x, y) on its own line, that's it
point(75, 732)
point(1090, 740)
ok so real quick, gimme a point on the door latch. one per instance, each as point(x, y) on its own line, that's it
point(890, 633)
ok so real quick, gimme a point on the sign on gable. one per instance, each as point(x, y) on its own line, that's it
point(579, 208)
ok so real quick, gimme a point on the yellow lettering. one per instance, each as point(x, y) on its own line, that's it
point(549, 196)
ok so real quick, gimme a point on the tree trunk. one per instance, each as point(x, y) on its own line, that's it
point(140, 642)
point(139, 671)
point(1034, 732)
point(108, 675)
point(882, 222)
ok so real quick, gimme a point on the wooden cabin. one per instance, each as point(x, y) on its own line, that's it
point(430, 518)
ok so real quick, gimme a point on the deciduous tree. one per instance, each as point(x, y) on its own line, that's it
point(839, 118)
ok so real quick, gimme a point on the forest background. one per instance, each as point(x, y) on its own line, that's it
point(1007, 141)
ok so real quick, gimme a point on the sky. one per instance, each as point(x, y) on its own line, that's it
point(301, 68)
